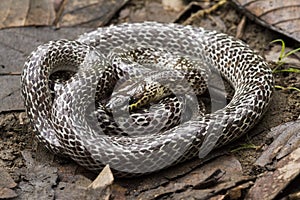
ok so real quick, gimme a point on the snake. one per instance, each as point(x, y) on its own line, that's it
point(61, 122)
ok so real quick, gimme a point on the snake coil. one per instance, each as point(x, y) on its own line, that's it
point(61, 123)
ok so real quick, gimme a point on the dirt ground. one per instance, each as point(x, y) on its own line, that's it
point(17, 135)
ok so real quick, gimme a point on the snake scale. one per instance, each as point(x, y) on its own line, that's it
point(61, 124)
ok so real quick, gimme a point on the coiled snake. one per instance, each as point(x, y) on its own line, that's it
point(61, 123)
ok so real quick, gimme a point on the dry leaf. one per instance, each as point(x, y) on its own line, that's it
point(15, 13)
point(281, 16)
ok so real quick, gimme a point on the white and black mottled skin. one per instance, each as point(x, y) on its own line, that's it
point(63, 127)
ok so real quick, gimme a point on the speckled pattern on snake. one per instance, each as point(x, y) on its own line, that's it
point(61, 123)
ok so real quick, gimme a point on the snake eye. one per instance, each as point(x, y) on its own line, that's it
point(133, 100)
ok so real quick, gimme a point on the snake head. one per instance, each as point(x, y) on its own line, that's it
point(118, 103)
point(127, 95)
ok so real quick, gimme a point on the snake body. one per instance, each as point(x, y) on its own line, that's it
point(61, 123)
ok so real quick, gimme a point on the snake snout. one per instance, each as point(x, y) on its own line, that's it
point(118, 102)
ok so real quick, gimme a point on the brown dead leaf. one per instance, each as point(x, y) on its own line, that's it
point(6, 185)
point(286, 139)
point(281, 16)
point(6, 193)
point(90, 13)
point(202, 183)
point(148, 11)
point(15, 13)
point(10, 89)
point(15, 45)
point(82, 188)
point(104, 179)
point(272, 183)
point(6, 180)
point(176, 5)
point(38, 179)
